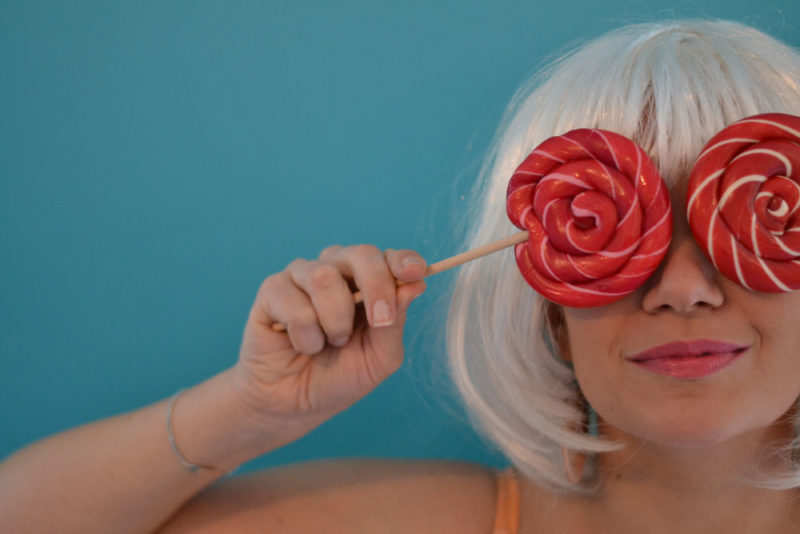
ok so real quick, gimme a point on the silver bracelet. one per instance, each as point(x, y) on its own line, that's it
point(187, 464)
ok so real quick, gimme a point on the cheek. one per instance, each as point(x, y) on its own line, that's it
point(779, 351)
point(595, 355)
point(781, 330)
point(775, 318)
point(595, 333)
point(600, 378)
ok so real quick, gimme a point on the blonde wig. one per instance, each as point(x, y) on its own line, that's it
point(667, 86)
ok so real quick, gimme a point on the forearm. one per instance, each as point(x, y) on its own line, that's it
point(120, 474)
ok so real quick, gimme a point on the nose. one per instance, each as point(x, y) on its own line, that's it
point(686, 281)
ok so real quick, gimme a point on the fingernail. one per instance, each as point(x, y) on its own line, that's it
point(340, 342)
point(408, 261)
point(381, 314)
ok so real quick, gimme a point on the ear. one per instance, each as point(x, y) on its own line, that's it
point(563, 347)
point(556, 327)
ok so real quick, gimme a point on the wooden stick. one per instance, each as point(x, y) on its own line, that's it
point(449, 263)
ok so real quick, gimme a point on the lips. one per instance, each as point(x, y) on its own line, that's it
point(689, 360)
point(689, 349)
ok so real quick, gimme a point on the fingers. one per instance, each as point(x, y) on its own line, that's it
point(406, 265)
point(376, 274)
point(286, 303)
point(331, 300)
point(314, 298)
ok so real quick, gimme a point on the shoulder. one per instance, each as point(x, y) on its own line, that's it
point(352, 495)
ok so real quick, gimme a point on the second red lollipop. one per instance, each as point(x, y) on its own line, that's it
point(744, 202)
point(598, 216)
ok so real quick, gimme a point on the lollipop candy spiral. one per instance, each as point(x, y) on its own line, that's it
point(744, 202)
point(598, 216)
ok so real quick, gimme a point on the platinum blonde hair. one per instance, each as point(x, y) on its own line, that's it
point(667, 86)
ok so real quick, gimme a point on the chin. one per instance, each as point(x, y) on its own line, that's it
point(692, 440)
point(687, 430)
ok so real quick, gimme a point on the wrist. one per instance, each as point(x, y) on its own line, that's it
point(213, 427)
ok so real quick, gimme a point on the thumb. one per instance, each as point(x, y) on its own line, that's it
point(406, 294)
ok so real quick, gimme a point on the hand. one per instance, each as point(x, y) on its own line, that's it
point(333, 351)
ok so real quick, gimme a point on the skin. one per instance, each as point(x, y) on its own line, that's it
point(687, 441)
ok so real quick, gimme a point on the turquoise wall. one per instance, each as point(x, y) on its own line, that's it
point(159, 159)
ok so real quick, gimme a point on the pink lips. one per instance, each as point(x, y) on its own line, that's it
point(689, 359)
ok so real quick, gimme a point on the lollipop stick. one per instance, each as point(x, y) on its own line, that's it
point(470, 255)
point(449, 263)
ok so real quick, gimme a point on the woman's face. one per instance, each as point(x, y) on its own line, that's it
point(687, 300)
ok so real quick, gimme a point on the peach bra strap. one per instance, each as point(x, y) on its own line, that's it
point(506, 518)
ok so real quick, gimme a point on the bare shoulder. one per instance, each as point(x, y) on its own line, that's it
point(353, 495)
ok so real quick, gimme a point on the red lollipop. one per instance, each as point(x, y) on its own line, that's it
point(744, 202)
point(598, 216)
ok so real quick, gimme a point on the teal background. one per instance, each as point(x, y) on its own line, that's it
point(159, 159)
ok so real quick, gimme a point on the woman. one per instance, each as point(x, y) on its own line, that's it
point(623, 449)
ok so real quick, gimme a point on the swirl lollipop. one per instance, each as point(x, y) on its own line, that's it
point(744, 202)
point(598, 217)
point(596, 220)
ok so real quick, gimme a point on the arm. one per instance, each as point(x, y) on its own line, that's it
point(120, 474)
point(338, 496)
